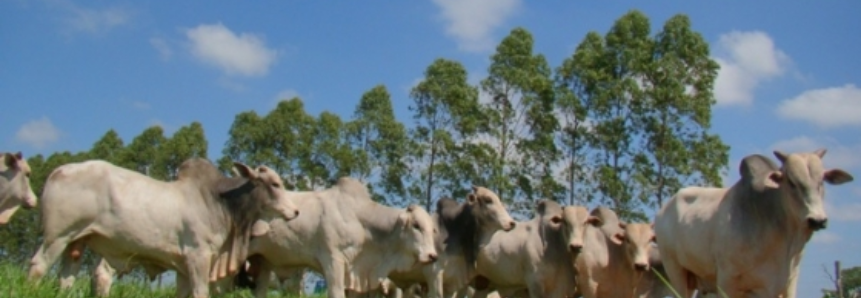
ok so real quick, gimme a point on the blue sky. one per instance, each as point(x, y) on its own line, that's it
point(71, 70)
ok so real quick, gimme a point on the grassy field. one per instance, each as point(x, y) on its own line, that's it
point(13, 284)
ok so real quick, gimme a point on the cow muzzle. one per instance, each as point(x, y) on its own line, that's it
point(510, 226)
point(575, 248)
point(430, 258)
point(641, 267)
point(817, 224)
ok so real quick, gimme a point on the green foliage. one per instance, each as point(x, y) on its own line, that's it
point(640, 111)
point(109, 148)
point(15, 284)
point(447, 114)
point(187, 142)
point(522, 121)
point(380, 145)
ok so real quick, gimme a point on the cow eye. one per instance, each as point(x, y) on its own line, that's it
point(276, 185)
point(416, 226)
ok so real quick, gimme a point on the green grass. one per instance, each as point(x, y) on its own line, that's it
point(13, 283)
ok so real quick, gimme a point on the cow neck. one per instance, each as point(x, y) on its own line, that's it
point(240, 208)
point(462, 227)
point(380, 220)
point(758, 214)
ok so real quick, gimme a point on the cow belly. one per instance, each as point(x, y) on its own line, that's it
point(123, 254)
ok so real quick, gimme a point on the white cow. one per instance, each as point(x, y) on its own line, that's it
point(198, 225)
point(616, 258)
point(534, 255)
point(354, 241)
point(747, 240)
point(460, 226)
point(15, 190)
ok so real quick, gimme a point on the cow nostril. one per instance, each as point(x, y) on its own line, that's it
point(641, 267)
point(432, 257)
point(817, 224)
point(575, 248)
point(296, 213)
point(511, 225)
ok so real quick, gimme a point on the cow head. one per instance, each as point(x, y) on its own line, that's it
point(418, 231)
point(487, 207)
point(636, 239)
point(802, 178)
point(575, 219)
point(269, 183)
point(15, 187)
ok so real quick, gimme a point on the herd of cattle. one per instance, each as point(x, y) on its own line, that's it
point(743, 241)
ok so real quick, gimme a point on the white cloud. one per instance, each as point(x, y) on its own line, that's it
point(470, 22)
point(286, 94)
point(38, 133)
point(829, 107)
point(838, 155)
point(748, 59)
point(140, 105)
point(825, 237)
point(90, 20)
point(160, 45)
point(244, 54)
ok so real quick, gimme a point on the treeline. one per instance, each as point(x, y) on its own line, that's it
point(623, 122)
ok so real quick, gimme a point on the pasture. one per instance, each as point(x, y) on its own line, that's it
point(13, 283)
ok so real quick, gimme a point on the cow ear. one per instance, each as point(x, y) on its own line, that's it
point(471, 198)
point(780, 156)
point(541, 205)
point(618, 238)
point(245, 171)
point(19, 156)
point(821, 152)
point(773, 179)
point(837, 177)
point(259, 228)
point(11, 161)
point(594, 221)
point(475, 188)
point(654, 239)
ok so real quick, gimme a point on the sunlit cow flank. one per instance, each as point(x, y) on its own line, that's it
point(198, 225)
point(15, 190)
point(343, 234)
point(746, 240)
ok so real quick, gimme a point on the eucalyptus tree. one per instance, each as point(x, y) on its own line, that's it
point(142, 153)
point(249, 141)
point(380, 145)
point(577, 79)
point(446, 112)
point(109, 148)
point(521, 120)
point(289, 130)
point(677, 147)
point(331, 156)
point(187, 142)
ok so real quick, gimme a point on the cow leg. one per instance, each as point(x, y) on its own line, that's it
point(103, 277)
point(334, 274)
point(198, 264)
point(46, 256)
point(70, 264)
point(262, 277)
point(183, 286)
point(681, 280)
